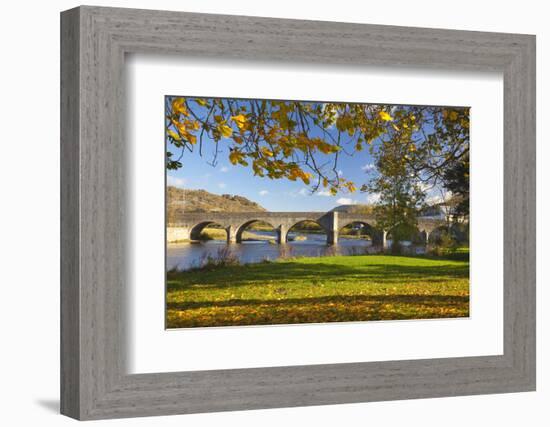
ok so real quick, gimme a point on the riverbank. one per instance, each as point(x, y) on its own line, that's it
point(319, 289)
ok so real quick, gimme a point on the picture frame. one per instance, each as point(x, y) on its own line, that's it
point(94, 269)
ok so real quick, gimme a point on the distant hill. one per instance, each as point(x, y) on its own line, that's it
point(182, 200)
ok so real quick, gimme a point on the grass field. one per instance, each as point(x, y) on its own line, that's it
point(326, 289)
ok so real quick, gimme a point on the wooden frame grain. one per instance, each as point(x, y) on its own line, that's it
point(94, 42)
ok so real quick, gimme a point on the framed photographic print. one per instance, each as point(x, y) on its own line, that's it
point(292, 213)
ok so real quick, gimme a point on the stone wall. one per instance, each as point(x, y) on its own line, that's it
point(177, 234)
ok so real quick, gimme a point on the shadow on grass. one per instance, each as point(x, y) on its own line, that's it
point(431, 300)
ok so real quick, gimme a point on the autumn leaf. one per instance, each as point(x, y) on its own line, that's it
point(240, 120)
point(174, 135)
point(225, 130)
point(266, 152)
point(235, 156)
point(385, 116)
point(178, 106)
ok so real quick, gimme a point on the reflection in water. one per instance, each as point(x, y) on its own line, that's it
point(187, 255)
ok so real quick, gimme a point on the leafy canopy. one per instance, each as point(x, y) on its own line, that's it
point(305, 140)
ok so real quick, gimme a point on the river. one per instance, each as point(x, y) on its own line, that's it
point(188, 255)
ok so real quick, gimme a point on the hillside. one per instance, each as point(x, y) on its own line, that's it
point(183, 200)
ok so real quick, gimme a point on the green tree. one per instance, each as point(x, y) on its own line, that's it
point(456, 179)
point(401, 195)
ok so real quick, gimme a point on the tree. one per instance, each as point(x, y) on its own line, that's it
point(305, 140)
point(456, 179)
point(401, 195)
point(280, 139)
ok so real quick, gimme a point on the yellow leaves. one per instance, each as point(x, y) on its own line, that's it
point(281, 116)
point(174, 135)
point(234, 156)
point(257, 168)
point(297, 173)
point(350, 186)
point(333, 191)
point(385, 116)
point(451, 115)
point(178, 106)
point(326, 148)
point(201, 102)
point(225, 130)
point(344, 123)
point(266, 152)
point(237, 156)
point(241, 121)
point(184, 130)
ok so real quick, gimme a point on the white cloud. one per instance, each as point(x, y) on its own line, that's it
point(346, 201)
point(174, 181)
point(340, 173)
point(368, 167)
point(224, 169)
point(264, 193)
point(222, 185)
point(424, 186)
point(325, 193)
point(301, 192)
point(373, 198)
point(439, 198)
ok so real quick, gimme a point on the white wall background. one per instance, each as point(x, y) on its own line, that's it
point(29, 218)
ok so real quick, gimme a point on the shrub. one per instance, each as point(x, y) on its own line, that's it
point(444, 245)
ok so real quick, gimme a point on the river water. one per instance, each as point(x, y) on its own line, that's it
point(188, 255)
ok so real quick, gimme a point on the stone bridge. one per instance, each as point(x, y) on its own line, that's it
point(189, 225)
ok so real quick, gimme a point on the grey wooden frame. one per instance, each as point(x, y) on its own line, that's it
point(94, 382)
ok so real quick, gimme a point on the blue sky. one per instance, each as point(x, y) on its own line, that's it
point(274, 195)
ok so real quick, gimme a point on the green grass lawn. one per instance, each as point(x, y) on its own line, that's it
point(326, 289)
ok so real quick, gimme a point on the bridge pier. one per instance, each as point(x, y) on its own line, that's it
point(427, 237)
point(231, 234)
point(330, 223)
point(282, 231)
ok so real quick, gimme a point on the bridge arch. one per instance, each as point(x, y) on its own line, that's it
point(243, 227)
point(367, 228)
point(298, 222)
point(197, 229)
